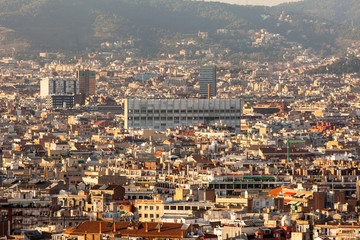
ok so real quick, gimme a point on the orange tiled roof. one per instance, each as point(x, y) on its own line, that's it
point(275, 191)
point(167, 230)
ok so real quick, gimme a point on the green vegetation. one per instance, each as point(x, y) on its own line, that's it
point(340, 11)
point(341, 66)
point(80, 24)
point(345, 13)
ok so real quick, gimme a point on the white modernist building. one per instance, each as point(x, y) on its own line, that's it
point(51, 86)
point(161, 114)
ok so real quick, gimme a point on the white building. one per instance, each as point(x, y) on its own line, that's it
point(50, 86)
point(161, 114)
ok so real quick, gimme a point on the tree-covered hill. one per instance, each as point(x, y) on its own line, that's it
point(344, 65)
point(77, 24)
point(345, 13)
point(339, 11)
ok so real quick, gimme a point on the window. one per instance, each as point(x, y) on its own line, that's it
point(151, 208)
point(140, 207)
point(151, 215)
point(146, 215)
point(166, 207)
point(157, 216)
point(157, 208)
point(181, 208)
point(173, 207)
point(187, 208)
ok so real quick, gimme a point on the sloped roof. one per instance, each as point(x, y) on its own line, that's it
point(146, 230)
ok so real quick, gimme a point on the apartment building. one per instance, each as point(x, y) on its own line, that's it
point(149, 210)
point(59, 86)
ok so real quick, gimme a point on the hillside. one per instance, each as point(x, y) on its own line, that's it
point(339, 11)
point(344, 65)
point(78, 24)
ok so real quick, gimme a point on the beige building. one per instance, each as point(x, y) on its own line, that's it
point(68, 200)
point(149, 210)
point(300, 236)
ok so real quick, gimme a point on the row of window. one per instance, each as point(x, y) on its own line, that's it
point(186, 111)
point(185, 208)
point(148, 207)
point(172, 207)
point(243, 186)
point(149, 215)
point(151, 118)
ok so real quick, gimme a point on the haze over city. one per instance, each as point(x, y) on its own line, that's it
point(179, 120)
point(255, 2)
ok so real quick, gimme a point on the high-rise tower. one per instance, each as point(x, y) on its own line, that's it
point(87, 82)
point(208, 80)
point(53, 86)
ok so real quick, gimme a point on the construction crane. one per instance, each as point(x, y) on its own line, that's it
point(289, 142)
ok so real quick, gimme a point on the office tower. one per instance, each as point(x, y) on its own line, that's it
point(50, 86)
point(161, 114)
point(87, 81)
point(208, 80)
point(59, 101)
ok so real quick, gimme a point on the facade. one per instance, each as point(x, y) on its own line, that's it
point(50, 86)
point(87, 82)
point(102, 194)
point(60, 101)
point(150, 210)
point(208, 79)
point(179, 209)
point(161, 114)
point(225, 185)
point(29, 213)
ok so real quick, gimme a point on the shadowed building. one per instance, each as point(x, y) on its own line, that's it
point(87, 82)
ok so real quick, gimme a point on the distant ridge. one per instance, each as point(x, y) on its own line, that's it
point(255, 2)
point(79, 24)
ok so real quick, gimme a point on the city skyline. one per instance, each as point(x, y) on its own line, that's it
point(179, 120)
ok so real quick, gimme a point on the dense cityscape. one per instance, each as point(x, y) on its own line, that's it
point(197, 141)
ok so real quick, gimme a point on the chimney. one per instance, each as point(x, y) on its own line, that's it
point(146, 227)
point(100, 228)
point(209, 91)
point(114, 227)
point(159, 229)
